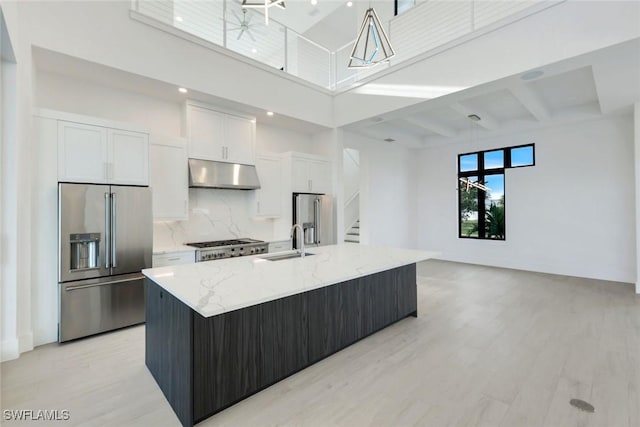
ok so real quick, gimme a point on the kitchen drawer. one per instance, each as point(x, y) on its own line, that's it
point(174, 258)
point(280, 246)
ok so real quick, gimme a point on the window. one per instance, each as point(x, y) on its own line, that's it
point(403, 5)
point(481, 196)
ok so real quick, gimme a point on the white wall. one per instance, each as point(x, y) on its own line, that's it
point(16, 192)
point(277, 139)
point(63, 93)
point(572, 213)
point(386, 198)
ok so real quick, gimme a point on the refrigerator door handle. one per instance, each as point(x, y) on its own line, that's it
point(316, 213)
point(112, 282)
point(113, 230)
point(107, 233)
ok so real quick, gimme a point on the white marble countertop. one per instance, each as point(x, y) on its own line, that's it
point(219, 286)
point(167, 249)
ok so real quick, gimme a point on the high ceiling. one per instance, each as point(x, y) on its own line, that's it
point(589, 86)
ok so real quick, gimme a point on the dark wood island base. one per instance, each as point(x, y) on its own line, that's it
point(206, 364)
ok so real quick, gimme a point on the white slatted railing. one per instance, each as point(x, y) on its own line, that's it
point(428, 25)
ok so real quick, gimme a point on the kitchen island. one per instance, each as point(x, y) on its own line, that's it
point(219, 331)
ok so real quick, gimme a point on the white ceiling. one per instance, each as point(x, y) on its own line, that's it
point(599, 83)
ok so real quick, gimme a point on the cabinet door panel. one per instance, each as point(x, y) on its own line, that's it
point(239, 137)
point(301, 179)
point(169, 181)
point(226, 354)
point(407, 291)
point(206, 134)
point(319, 175)
point(129, 159)
point(269, 197)
point(82, 153)
point(284, 337)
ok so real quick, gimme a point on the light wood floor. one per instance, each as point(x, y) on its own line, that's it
point(491, 347)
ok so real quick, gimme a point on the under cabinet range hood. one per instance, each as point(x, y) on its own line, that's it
point(211, 174)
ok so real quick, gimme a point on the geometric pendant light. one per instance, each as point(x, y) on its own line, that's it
point(372, 46)
point(266, 5)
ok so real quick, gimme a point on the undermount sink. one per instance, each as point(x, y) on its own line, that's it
point(281, 257)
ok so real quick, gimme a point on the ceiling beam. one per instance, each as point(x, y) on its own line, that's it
point(486, 120)
point(432, 126)
point(531, 101)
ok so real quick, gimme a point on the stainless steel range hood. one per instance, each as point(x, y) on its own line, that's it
point(210, 174)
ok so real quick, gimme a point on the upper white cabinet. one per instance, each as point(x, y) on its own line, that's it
point(239, 134)
point(169, 178)
point(217, 135)
point(82, 153)
point(268, 199)
point(129, 157)
point(310, 175)
point(205, 131)
point(101, 155)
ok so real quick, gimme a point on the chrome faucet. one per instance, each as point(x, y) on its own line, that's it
point(301, 249)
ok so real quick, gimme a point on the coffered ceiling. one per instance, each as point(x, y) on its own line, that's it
point(599, 83)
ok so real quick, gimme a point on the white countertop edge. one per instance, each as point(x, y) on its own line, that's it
point(214, 310)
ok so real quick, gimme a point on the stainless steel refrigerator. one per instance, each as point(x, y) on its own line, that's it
point(314, 212)
point(105, 238)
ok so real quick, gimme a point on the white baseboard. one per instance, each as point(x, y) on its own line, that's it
point(9, 350)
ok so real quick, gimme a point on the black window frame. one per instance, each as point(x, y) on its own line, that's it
point(480, 173)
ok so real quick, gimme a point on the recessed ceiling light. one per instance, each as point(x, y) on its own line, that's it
point(269, 113)
point(530, 75)
point(314, 2)
point(179, 19)
point(182, 90)
point(254, 50)
point(349, 3)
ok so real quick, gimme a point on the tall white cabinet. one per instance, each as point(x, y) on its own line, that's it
point(267, 201)
point(102, 155)
point(219, 135)
point(168, 178)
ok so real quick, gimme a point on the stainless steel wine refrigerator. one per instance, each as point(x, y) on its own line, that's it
point(105, 238)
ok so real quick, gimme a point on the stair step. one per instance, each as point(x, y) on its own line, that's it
point(351, 241)
point(353, 234)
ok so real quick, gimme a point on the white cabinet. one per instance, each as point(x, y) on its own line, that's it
point(82, 153)
point(216, 135)
point(168, 178)
point(280, 246)
point(239, 138)
point(173, 258)
point(205, 131)
point(310, 175)
point(129, 157)
point(101, 155)
point(268, 199)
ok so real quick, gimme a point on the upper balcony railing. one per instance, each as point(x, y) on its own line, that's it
point(428, 25)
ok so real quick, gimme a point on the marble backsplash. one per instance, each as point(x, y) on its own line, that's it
point(213, 215)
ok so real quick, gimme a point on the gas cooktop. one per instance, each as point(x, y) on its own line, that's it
point(220, 249)
point(218, 243)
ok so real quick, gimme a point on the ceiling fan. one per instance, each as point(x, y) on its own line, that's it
point(243, 26)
